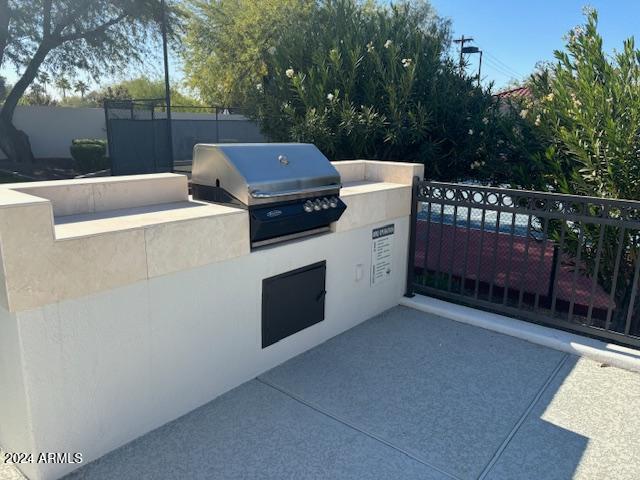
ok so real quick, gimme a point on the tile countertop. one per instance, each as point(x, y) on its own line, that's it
point(388, 201)
point(87, 224)
point(75, 237)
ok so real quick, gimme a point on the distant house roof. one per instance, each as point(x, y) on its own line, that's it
point(520, 92)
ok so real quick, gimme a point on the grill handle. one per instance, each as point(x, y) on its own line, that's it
point(284, 193)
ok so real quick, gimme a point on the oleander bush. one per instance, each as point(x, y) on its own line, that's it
point(585, 113)
point(358, 79)
point(587, 109)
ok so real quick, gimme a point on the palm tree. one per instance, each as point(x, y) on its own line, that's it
point(64, 85)
point(44, 79)
point(4, 88)
point(37, 96)
point(81, 88)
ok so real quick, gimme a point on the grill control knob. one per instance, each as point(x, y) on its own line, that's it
point(333, 202)
point(325, 203)
point(308, 206)
point(317, 205)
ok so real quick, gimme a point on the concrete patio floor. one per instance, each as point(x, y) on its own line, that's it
point(404, 395)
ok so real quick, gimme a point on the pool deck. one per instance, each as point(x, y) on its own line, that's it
point(404, 395)
point(506, 261)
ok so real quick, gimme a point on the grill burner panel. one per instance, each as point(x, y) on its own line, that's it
point(294, 192)
point(291, 218)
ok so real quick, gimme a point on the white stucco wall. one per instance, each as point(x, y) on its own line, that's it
point(51, 129)
point(15, 424)
point(106, 368)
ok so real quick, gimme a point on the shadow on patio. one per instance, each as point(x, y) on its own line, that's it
point(404, 395)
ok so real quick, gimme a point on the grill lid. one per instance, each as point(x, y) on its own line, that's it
point(264, 172)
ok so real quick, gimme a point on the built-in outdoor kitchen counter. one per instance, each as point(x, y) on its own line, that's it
point(125, 303)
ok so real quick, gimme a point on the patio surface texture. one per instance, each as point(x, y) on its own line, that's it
point(404, 395)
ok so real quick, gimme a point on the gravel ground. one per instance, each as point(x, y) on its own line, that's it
point(8, 471)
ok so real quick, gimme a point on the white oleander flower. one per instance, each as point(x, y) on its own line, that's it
point(330, 97)
point(370, 47)
point(538, 121)
point(388, 43)
point(406, 62)
point(485, 120)
point(289, 72)
point(471, 131)
point(259, 87)
point(524, 113)
point(575, 34)
point(588, 10)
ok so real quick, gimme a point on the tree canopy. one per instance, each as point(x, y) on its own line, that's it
point(227, 41)
point(64, 36)
point(143, 87)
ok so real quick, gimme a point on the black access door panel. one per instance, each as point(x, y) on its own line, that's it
point(292, 301)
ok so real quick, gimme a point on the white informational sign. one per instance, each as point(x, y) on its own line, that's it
point(381, 253)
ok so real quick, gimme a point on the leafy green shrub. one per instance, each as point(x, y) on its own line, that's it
point(587, 106)
point(586, 110)
point(358, 79)
point(90, 155)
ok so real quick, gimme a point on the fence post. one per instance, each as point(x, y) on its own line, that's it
point(107, 126)
point(217, 127)
point(413, 220)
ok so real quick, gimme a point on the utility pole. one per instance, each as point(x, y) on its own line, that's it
point(467, 50)
point(462, 40)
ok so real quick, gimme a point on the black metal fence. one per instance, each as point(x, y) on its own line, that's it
point(138, 140)
point(567, 261)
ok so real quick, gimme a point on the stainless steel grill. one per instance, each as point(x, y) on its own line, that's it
point(290, 189)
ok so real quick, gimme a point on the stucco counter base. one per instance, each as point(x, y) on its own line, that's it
point(124, 304)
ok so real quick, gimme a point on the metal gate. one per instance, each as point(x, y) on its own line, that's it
point(138, 141)
point(566, 261)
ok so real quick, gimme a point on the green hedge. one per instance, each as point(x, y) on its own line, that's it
point(90, 154)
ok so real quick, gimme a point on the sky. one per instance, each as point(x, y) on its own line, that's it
point(515, 35)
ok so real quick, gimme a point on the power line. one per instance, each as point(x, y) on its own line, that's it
point(502, 64)
point(498, 60)
point(507, 67)
point(499, 76)
point(494, 66)
point(497, 67)
point(510, 71)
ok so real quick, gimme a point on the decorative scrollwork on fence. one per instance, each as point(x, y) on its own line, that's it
point(543, 204)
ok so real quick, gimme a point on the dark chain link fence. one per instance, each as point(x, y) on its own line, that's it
point(137, 133)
